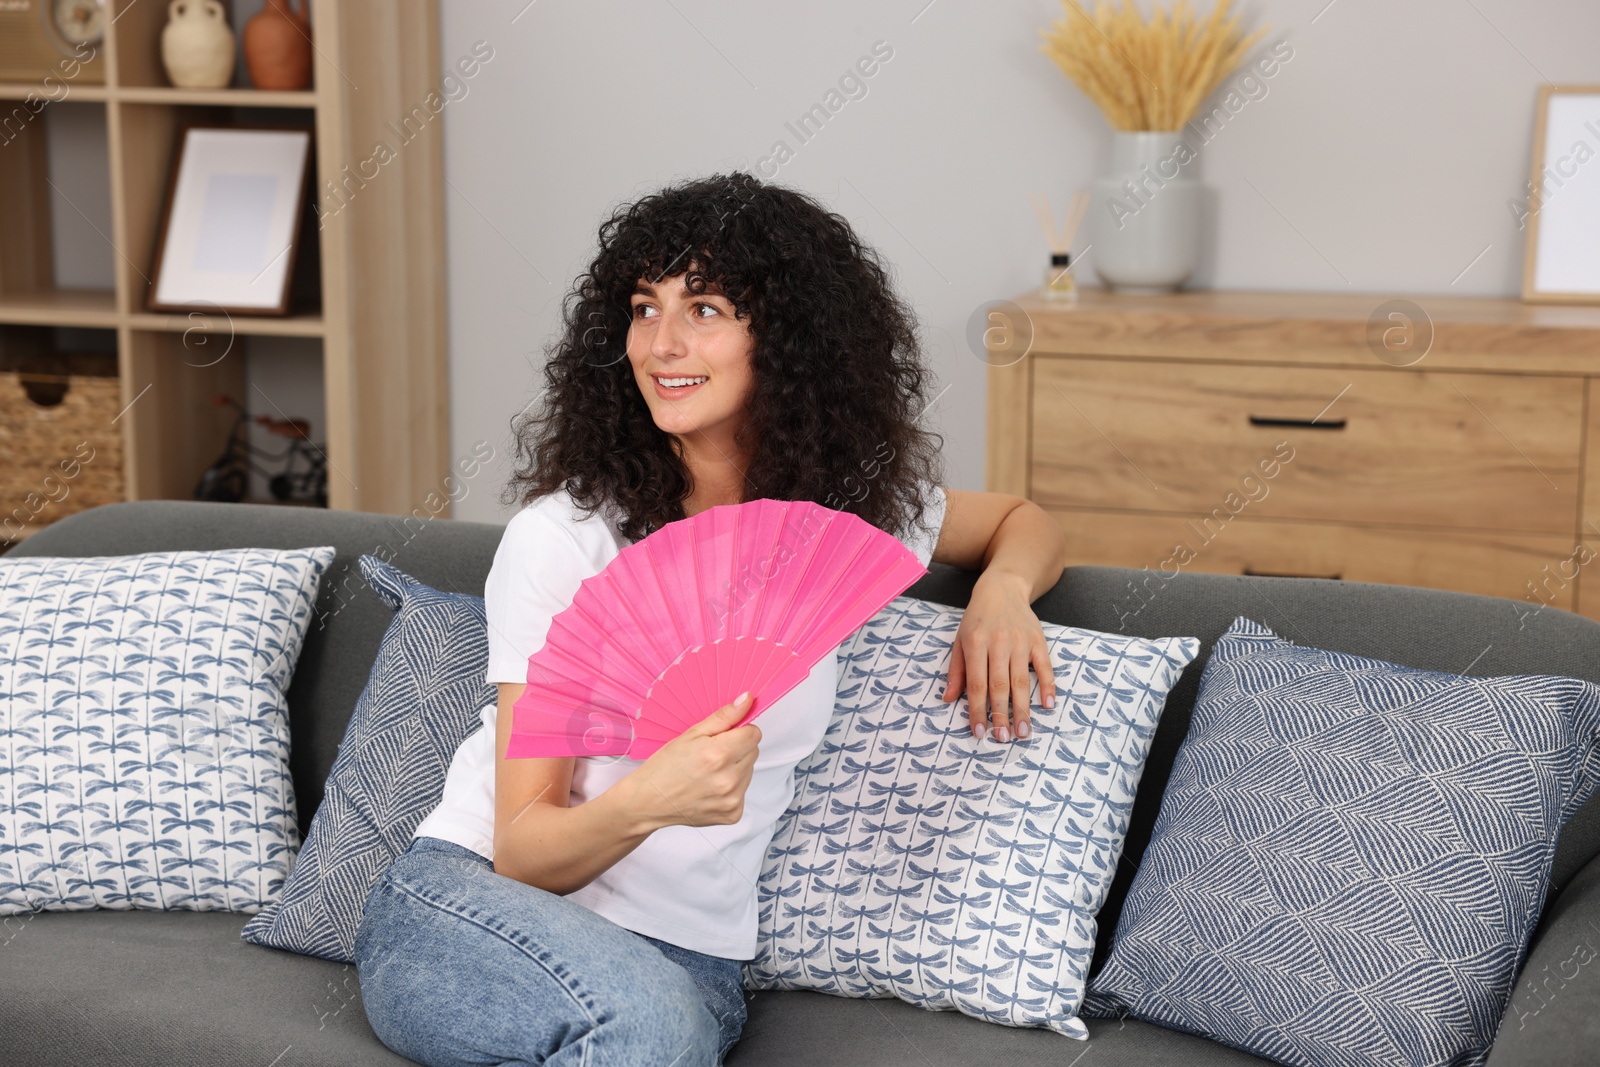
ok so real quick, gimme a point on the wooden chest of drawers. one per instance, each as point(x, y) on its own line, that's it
point(1443, 442)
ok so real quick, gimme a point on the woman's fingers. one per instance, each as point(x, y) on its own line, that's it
point(999, 690)
point(958, 675)
point(1045, 668)
point(1021, 692)
point(980, 703)
point(977, 667)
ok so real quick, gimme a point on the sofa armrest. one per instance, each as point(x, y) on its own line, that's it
point(1553, 1018)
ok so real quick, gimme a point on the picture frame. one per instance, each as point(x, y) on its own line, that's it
point(1561, 208)
point(229, 232)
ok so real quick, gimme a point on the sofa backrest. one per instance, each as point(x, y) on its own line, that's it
point(1435, 630)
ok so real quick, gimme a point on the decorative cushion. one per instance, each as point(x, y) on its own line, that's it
point(144, 734)
point(917, 862)
point(1350, 855)
point(422, 699)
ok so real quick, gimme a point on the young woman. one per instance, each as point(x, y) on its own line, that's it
point(731, 340)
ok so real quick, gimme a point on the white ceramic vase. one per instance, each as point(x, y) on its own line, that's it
point(197, 45)
point(1144, 223)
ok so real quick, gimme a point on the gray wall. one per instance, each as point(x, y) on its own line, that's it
point(1380, 159)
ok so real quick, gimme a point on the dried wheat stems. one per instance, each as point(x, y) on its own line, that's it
point(1146, 75)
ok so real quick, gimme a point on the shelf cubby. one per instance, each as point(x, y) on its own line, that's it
point(62, 448)
point(169, 383)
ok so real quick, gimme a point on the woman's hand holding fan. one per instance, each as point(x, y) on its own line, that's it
point(744, 598)
point(698, 778)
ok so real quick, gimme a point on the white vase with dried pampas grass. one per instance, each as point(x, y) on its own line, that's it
point(1148, 77)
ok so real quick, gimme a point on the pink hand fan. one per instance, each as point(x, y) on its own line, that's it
point(741, 598)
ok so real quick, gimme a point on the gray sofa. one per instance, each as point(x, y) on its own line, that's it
point(170, 988)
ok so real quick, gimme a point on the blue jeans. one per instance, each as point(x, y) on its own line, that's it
point(460, 965)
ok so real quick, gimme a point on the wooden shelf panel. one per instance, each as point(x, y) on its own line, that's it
point(97, 308)
point(60, 307)
point(308, 325)
point(225, 97)
point(1504, 336)
point(1209, 306)
point(75, 91)
point(160, 94)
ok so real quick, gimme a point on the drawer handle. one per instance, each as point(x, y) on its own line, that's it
point(1251, 572)
point(1304, 424)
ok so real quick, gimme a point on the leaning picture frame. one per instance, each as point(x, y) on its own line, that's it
point(1561, 209)
point(229, 229)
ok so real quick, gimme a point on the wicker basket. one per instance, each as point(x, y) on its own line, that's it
point(60, 452)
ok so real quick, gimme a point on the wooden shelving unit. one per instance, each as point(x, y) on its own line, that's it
point(380, 313)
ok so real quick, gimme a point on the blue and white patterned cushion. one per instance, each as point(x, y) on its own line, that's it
point(916, 862)
point(1350, 855)
point(421, 701)
point(144, 734)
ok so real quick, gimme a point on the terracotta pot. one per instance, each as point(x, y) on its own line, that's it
point(277, 47)
point(197, 45)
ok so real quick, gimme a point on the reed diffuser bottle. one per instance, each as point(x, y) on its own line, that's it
point(1058, 281)
point(1059, 284)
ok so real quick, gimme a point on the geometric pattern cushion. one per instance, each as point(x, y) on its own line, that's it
point(144, 732)
point(917, 862)
point(1350, 855)
point(422, 699)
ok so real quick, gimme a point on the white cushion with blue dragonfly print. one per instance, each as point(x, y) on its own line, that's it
point(917, 862)
point(144, 734)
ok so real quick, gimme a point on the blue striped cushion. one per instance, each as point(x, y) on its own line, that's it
point(421, 701)
point(916, 862)
point(1350, 855)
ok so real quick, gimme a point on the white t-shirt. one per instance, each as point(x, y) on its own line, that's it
point(693, 886)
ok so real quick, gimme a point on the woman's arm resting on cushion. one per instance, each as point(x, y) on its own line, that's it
point(1021, 551)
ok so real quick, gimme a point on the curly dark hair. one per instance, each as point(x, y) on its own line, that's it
point(839, 380)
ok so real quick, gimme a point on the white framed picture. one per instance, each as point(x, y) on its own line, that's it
point(1562, 265)
point(228, 234)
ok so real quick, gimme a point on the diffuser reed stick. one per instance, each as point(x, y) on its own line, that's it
point(1058, 281)
point(1060, 241)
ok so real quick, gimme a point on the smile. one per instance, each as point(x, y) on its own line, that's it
point(678, 387)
